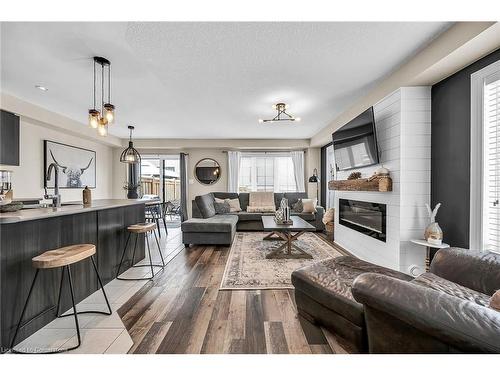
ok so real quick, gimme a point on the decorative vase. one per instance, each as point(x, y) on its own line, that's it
point(433, 233)
point(278, 216)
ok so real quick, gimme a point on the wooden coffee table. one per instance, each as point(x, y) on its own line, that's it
point(287, 233)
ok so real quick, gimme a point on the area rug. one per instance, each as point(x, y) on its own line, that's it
point(248, 268)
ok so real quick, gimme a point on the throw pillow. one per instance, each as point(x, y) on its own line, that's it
point(298, 207)
point(222, 207)
point(495, 300)
point(309, 205)
point(261, 209)
point(234, 205)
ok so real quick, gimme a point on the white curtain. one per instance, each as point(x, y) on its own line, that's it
point(298, 168)
point(233, 169)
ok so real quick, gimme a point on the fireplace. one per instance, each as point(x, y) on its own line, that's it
point(365, 217)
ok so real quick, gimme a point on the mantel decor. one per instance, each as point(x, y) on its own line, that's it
point(377, 183)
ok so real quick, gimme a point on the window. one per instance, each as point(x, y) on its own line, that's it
point(491, 195)
point(485, 159)
point(267, 172)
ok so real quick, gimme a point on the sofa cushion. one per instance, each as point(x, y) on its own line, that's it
point(244, 198)
point(224, 195)
point(252, 216)
point(294, 197)
point(329, 283)
point(222, 206)
point(205, 204)
point(214, 224)
point(435, 282)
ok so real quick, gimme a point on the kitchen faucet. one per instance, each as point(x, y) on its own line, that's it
point(56, 197)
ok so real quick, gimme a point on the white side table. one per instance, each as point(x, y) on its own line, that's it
point(428, 253)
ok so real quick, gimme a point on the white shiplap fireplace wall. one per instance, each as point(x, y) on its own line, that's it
point(403, 122)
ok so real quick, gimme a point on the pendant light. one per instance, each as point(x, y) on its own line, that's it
point(130, 155)
point(101, 119)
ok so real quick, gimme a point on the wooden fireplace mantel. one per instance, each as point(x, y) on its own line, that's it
point(383, 184)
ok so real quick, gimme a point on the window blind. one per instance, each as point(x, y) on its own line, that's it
point(492, 164)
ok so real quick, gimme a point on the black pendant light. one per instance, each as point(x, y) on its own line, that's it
point(130, 155)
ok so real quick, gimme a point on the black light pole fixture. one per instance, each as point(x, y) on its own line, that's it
point(315, 179)
point(130, 155)
point(101, 119)
point(282, 115)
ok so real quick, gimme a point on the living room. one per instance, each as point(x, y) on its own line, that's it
point(308, 195)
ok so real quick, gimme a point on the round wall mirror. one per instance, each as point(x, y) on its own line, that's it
point(207, 171)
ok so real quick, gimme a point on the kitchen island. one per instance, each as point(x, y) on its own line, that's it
point(27, 233)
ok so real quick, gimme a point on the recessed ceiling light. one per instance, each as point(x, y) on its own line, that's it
point(43, 88)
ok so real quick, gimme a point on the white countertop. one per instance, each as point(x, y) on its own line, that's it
point(67, 208)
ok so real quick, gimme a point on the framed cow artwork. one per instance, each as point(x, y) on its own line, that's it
point(77, 166)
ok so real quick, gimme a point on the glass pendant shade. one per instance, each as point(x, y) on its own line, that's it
point(102, 129)
point(93, 118)
point(109, 112)
point(130, 155)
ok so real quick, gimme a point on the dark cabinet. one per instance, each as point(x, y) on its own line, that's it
point(9, 138)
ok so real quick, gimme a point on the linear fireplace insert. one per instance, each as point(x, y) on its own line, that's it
point(365, 217)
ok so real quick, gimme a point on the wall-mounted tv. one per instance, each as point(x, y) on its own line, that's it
point(355, 143)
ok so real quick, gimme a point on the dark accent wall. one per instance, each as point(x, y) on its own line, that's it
point(450, 163)
point(323, 174)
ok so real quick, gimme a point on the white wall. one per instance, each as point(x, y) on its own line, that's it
point(27, 178)
point(403, 133)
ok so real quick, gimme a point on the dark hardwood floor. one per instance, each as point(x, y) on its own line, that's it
point(183, 311)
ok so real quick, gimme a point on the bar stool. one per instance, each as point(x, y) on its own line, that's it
point(137, 229)
point(62, 258)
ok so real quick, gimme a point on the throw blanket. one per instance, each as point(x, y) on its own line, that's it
point(261, 202)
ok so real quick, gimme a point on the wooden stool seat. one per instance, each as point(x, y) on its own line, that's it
point(141, 228)
point(63, 256)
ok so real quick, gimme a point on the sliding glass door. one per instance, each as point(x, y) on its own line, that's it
point(160, 178)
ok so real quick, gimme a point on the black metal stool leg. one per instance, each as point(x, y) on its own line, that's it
point(60, 292)
point(150, 258)
point(103, 292)
point(135, 248)
point(165, 225)
point(75, 312)
point(123, 255)
point(159, 249)
point(23, 311)
point(101, 285)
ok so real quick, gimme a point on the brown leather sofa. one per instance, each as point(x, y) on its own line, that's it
point(444, 311)
point(323, 296)
point(380, 310)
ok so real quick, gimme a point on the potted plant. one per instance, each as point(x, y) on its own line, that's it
point(132, 189)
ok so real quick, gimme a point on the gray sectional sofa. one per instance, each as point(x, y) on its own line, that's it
point(208, 228)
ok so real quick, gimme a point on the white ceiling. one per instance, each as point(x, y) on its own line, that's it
point(207, 80)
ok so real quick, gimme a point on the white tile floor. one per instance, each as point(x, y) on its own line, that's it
point(101, 333)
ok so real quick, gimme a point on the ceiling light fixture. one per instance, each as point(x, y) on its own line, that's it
point(282, 115)
point(101, 119)
point(130, 155)
point(43, 88)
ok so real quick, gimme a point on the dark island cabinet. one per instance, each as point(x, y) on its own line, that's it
point(21, 241)
point(112, 236)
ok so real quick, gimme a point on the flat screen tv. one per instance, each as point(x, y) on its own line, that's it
point(355, 143)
